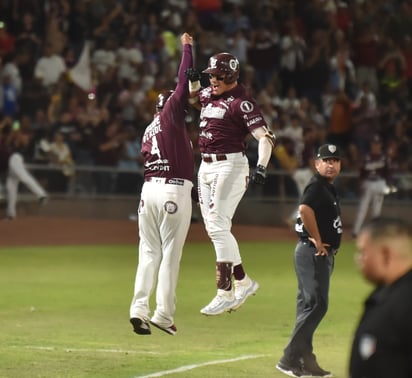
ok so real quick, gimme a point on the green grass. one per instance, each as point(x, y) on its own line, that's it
point(64, 312)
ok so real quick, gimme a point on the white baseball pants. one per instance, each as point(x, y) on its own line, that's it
point(19, 173)
point(164, 217)
point(222, 185)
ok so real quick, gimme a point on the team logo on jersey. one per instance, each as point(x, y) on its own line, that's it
point(170, 207)
point(246, 106)
point(367, 346)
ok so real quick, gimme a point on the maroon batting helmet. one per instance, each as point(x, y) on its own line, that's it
point(225, 65)
point(162, 97)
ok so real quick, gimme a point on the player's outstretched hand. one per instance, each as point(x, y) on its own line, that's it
point(192, 74)
point(259, 175)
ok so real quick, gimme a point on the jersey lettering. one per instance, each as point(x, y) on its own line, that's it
point(153, 129)
point(211, 111)
point(337, 225)
point(155, 148)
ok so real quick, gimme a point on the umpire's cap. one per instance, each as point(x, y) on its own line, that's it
point(329, 151)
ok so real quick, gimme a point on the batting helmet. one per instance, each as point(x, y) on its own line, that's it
point(225, 65)
point(162, 97)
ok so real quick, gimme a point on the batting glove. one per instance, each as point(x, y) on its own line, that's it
point(193, 74)
point(259, 175)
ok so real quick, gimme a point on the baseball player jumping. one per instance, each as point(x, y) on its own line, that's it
point(375, 180)
point(228, 115)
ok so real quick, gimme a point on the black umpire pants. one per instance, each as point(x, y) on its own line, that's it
point(313, 274)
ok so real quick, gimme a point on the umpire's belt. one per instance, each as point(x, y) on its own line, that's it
point(331, 250)
point(210, 158)
point(164, 180)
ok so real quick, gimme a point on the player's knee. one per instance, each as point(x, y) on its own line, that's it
point(217, 234)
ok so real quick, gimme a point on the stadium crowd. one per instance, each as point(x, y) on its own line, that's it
point(81, 77)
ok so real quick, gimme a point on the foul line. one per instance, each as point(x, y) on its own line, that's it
point(195, 366)
point(85, 350)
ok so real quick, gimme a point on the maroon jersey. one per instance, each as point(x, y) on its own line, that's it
point(226, 120)
point(375, 167)
point(166, 146)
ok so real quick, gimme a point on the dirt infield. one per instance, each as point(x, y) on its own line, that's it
point(36, 230)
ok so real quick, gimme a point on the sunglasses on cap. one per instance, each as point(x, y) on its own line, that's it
point(219, 78)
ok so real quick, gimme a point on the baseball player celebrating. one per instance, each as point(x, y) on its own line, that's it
point(13, 143)
point(165, 206)
point(228, 115)
point(375, 178)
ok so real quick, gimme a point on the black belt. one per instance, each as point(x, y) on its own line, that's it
point(331, 250)
point(217, 157)
point(164, 180)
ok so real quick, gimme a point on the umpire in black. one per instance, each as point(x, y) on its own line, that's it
point(319, 228)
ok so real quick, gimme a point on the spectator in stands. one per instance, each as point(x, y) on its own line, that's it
point(108, 149)
point(60, 156)
point(263, 55)
point(391, 72)
point(131, 158)
point(49, 68)
point(342, 73)
point(292, 48)
point(316, 72)
point(7, 40)
point(340, 124)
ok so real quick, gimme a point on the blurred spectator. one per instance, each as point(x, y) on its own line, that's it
point(407, 55)
point(104, 58)
point(366, 91)
point(238, 45)
point(366, 55)
point(342, 73)
point(60, 156)
point(12, 71)
point(391, 73)
point(49, 68)
point(9, 105)
point(263, 55)
point(130, 159)
point(7, 40)
point(207, 12)
point(29, 38)
point(340, 124)
point(109, 145)
point(316, 72)
point(292, 47)
point(129, 59)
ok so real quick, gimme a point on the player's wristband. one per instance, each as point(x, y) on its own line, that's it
point(194, 86)
point(193, 100)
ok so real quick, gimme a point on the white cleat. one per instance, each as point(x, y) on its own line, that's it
point(243, 290)
point(223, 301)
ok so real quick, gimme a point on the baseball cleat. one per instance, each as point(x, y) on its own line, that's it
point(223, 301)
point(171, 330)
point(244, 289)
point(140, 326)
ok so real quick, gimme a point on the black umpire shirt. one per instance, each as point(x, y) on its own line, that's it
point(382, 346)
point(321, 196)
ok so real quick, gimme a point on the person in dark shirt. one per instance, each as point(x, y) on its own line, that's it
point(319, 228)
point(165, 205)
point(382, 343)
